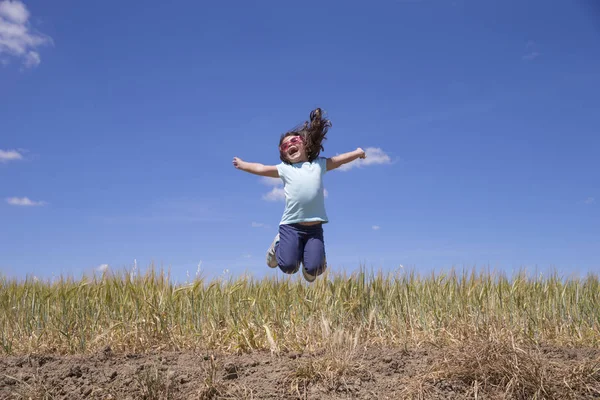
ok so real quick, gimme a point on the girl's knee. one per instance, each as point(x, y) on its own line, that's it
point(289, 267)
point(316, 268)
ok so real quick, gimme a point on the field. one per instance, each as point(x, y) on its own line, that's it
point(479, 335)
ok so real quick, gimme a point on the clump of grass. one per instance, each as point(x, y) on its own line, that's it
point(501, 367)
point(154, 384)
point(336, 365)
point(145, 312)
point(212, 387)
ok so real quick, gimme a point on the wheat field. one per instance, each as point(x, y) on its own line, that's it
point(142, 312)
point(459, 334)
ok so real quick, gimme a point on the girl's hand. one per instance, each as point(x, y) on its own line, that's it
point(238, 162)
point(361, 153)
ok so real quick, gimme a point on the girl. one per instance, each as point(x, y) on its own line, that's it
point(300, 237)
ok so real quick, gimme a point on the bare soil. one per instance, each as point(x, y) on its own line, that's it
point(371, 373)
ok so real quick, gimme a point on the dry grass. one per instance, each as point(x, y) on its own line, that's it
point(334, 368)
point(212, 387)
point(154, 383)
point(149, 312)
point(498, 367)
point(494, 336)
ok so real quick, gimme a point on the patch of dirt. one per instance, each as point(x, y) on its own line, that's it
point(372, 373)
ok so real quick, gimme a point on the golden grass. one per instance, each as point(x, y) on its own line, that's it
point(149, 312)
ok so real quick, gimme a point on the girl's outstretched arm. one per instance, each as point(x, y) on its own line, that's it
point(256, 168)
point(341, 159)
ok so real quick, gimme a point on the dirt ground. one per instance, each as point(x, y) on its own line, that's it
point(372, 373)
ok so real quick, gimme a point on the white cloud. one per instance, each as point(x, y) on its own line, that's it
point(247, 256)
point(16, 37)
point(374, 155)
point(276, 194)
point(532, 52)
point(325, 193)
point(102, 268)
point(258, 225)
point(14, 11)
point(589, 200)
point(24, 202)
point(32, 59)
point(10, 155)
point(376, 227)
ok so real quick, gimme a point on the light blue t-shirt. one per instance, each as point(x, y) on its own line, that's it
point(304, 192)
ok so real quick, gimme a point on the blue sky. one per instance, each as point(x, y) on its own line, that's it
point(118, 125)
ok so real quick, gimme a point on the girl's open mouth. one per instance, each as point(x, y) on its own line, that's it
point(292, 151)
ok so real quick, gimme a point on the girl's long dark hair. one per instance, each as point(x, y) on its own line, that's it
point(313, 132)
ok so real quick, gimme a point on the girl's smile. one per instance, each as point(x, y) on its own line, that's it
point(293, 147)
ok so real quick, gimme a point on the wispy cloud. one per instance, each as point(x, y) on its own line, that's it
point(102, 267)
point(376, 227)
point(24, 202)
point(276, 194)
point(531, 56)
point(258, 225)
point(16, 36)
point(10, 155)
point(589, 200)
point(375, 156)
point(531, 51)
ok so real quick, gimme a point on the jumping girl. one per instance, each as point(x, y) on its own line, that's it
point(300, 237)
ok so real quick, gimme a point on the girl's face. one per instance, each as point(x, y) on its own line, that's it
point(293, 148)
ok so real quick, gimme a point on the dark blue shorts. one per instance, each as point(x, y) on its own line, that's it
point(301, 244)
